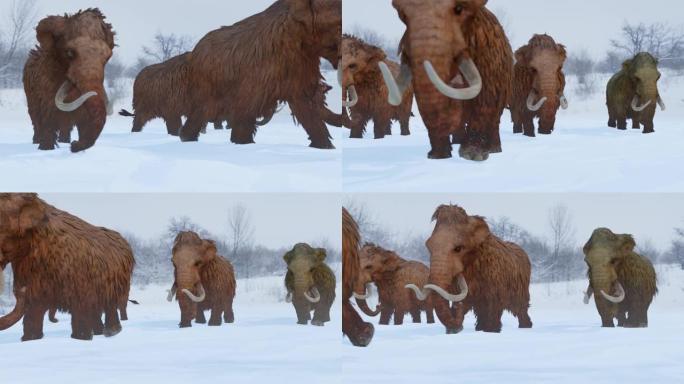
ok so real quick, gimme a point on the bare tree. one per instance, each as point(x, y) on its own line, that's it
point(165, 47)
point(241, 237)
point(583, 66)
point(372, 37)
point(22, 16)
point(562, 238)
point(659, 39)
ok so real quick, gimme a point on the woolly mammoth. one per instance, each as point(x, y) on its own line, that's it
point(66, 264)
point(460, 63)
point(623, 281)
point(538, 85)
point(362, 83)
point(359, 332)
point(391, 274)
point(310, 284)
point(205, 279)
point(69, 64)
point(471, 268)
point(633, 93)
point(161, 90)
point(239, 72)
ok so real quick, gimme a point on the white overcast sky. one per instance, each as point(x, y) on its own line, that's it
point(579, 24)
point(137, 21)
point(279, 220)
point(646, 216)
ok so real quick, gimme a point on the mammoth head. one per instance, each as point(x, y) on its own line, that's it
point(20, 214)
point(376, 263)
point(604, 254)
point(323, 20)
point(644, 76)
point(190, 254)
point(358, 59)
point(302, 262)
point(544, 59)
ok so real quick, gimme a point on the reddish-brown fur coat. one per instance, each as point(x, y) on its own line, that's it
point(372, 92)
point(359, 332)
point(64, 262)
point(241, 71)
point(47, 68)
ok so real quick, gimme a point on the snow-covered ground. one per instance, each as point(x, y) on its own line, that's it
point(566, 345)
point(582, 154)
point(153, 161)
point(263, 345)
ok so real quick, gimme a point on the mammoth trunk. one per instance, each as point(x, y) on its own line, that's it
point(94, 102)
point(443, 299)
point(545, 101)
point(363, 304)
point(607, 293)
point(189, 294)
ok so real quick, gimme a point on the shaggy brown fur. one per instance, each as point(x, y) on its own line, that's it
point(196, 265)
point(473, 32)
point(359, 332)
point(76, 49)
point(64, 263)
point(497, 272)
point(360, 69)
point(241, 71)
point(391, 273)
point(609, 254)
point(538, 69)
point(306, 272)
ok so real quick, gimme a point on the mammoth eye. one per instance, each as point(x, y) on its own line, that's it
point(459, 9)
point(70, 54)
point(353, 66)
point(458, 249)
point(198, 263)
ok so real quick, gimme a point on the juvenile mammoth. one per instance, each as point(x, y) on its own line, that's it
point(359, 332)
point(363, 85)
point(392, 274)
point(310, 284)
point(240, 71)
point(69, 64)
point(632, 93)
point(64, 263)
point(205, 279)
point(623, 282)
point(460, 63)
point(471, 268)
point(538, 85)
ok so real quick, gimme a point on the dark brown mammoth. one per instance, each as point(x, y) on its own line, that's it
point(69, 64)
point(64, 263)
point(206, 280)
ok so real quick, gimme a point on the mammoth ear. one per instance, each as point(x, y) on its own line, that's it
point(49, 30)
point(562, 51)
point(301, 10)
point(626, 65)
point(288, 257)
point(209, 250)
point(390, 262)
point(479, 230)
point(377, 55)
point(320, 254)
point(522, 55)
point(626, 243)
point(32, 215)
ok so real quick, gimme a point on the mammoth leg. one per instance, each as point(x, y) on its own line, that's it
point(382, 126)
point(310, 118)
point(404, 124)
point(173, 125)
point(399, 316)
point(65, 133)
point(52, 315)
point(385, 314)
point(322, 311)
point(192, 127)
point(33, 323)
point(635, 123)
point(524, 320)
point(218, 124)
point(429, 315)
point(415, 314)
point(123, 310)
point(622, 317)
point(357, 127)
point(199, 317)
point(216, 311)
point(528, 127)
point(648, 126)
point(96, 324)
point(81, 328)
point(45, 135)
point(622, 123)
point(112, 323)
point(243, 131)
point(228, 315)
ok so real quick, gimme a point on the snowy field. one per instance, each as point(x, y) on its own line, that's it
point(263, 345)
point(582, 154)
point(153, 161)
point(566, 345)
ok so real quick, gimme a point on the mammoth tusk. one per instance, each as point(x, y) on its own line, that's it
point(587, 294)
point(196, 299)
point(316, 296)
point(635, 104)
point(530, 102)
point(462, 286)
point(563, 101)
point(470, 73)
point(661, 103)
point(17, 313)
point(620, 294)
point(420, 294)
point(354, 97)
point(359, 296)
point(288, 298)
point(74, 105)
point(396, 87)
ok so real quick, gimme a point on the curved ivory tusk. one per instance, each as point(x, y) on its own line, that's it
point(361, 297)
point(661, 103)
point(316, 296)
point(462, 286)
point(563, 101)
point(420, 294)
point(587, 295)
point(530, 102)
point(354, 97)
point(396, 87)
point(288, 298)
point(196, 299)
point(619, 297)
point(470, 73)
point(635, 104)
point(74, 105)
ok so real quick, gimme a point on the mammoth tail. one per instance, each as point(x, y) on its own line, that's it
point(134, 302)
point(125, 113)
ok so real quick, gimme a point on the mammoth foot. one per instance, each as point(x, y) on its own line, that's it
point(46, 147)
point(318, 323)
point(322, 144)
point(453, 331)
point(647, 131)
point(112, 331)
point(29, 337)
point(473, 153)
point(495, 149)
point(302, 322)
point(612, 123)
point(440, 154)
point(81, 335)
point(214, 323)
point(185, 325)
